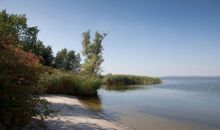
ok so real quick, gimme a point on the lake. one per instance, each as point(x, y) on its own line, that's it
point(183, 103)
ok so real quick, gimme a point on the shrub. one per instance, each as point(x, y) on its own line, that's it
point(19, 73)
point(129, 80)
point(61, 82)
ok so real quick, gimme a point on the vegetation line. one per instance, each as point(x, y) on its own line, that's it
point(129, 80)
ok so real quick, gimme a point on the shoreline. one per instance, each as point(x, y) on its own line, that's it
point(75, 115)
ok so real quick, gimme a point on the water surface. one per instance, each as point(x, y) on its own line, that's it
point(178, 103)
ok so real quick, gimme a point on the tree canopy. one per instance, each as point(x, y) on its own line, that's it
point(67, 60)
point(92, 52)
point(20, 72)
point(15, 31)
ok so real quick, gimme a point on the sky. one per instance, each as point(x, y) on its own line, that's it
point(145, 37)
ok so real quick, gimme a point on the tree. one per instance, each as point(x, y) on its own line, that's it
point(19, 75)
point(29, 38)
point(48, 56)
point(12, 28)
point(45, 53)
point(92, 51)
point(14, 31)
point(67, 60)
point(72, 61)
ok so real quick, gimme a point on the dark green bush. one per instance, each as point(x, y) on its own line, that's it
point(18, 77)
point(129, 80)
point(61, 82)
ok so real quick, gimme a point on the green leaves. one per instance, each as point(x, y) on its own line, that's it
point(14, 31)
point(67, 60)
point(20, 72)
point(92, 51)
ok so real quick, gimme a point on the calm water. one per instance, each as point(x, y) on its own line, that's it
point(177, 103)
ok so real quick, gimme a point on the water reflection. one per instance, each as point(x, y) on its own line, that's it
point(183, 104)
point(93, 103)
point(122, 88)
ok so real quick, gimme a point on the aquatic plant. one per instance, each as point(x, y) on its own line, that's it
point(129, 80)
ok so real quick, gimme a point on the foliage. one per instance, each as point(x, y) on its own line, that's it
point(92, 51)
point(67, 60)
point(19, 74)
point(61, 82)
point(44, 52)
point(129, 80)
point(15, 31)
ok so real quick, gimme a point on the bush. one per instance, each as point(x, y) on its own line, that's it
point(129, 80)
point(61, 82)
point(19, 74)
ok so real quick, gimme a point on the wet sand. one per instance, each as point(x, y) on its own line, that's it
point(74, 115)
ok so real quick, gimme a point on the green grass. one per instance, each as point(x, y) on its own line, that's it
point(129, 80)
point(61, 82)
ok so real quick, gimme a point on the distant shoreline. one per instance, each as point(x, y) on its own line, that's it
point(163, 77)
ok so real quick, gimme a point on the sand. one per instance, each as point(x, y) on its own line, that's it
point(73, 115)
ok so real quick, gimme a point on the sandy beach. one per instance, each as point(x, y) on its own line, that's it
point(73, 115)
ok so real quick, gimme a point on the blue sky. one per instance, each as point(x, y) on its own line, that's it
point(145, 37)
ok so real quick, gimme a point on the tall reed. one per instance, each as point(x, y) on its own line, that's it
point(61, 82)
point(129, 80)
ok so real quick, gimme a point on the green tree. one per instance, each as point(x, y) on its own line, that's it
point(29, 38)
point(59, 60)
point(12, 28)
point(14, 31)
point(45, 53)
point(19, 75)
point(48, 56)
point(67, 60)
point(92, 51)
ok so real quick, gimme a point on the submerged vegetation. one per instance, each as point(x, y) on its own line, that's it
point(116, 80)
